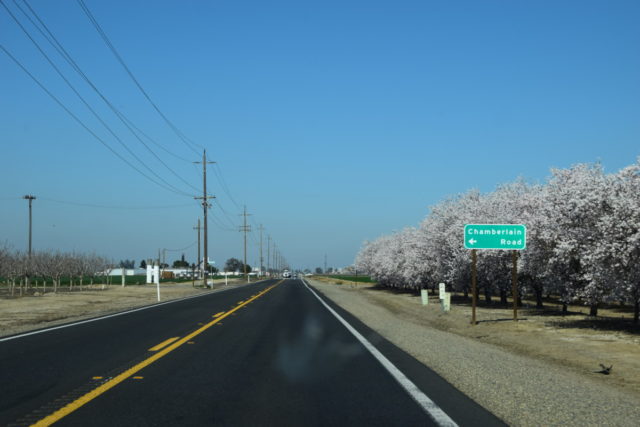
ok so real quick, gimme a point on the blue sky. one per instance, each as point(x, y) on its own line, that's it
point(333, 121)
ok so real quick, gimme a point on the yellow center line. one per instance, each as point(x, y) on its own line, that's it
point(82, 400)
point(219, 314)
point(163, 344)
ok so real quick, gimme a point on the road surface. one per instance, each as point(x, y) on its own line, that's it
point(270, 353)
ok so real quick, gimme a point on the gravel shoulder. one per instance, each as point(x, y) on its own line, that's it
point(530, 373)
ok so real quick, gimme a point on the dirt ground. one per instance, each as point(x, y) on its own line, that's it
point(576, 341)
point(21, 314)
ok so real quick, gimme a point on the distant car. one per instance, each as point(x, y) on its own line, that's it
point(286, 274)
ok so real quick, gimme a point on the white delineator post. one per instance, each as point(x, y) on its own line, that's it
point(445, 302)
point(124, 273)
point(149, 273)
point(156, 273)
point(424, 293)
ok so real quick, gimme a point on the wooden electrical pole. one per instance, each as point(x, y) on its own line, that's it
point(205, 207)
point(275, 257)
point(30, 198)
point(261, 228)
point(245, 228)
point(199, 260)
point(268, 253)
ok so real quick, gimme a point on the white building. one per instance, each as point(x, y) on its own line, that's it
point(127, 272)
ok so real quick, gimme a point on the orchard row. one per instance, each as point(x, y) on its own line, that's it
point(583, 240)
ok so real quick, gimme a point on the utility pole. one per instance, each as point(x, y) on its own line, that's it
point(275, 257)
point(261, 259)
point(205, 207)
point(325, 263)
point(30, 198)
point(198, 228)
point(268, 252)
point(245, 228)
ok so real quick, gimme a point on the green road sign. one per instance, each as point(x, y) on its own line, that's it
point(495, 236)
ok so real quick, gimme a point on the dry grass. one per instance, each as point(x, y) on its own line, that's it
point(20, 314)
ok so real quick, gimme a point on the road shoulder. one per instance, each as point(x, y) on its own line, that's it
point(518, 389)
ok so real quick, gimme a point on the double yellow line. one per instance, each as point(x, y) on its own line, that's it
point(83, 400)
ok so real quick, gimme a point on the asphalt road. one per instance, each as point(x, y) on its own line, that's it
point(269, 353)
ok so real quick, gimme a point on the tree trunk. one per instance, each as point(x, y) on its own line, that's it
point(538, 292)
point(466, 293)
point(565, 308)
point(593, 310)
point(503, 297)
point(487, 295)
point(636, 312)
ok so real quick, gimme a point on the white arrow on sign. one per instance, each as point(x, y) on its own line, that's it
point(472, 241)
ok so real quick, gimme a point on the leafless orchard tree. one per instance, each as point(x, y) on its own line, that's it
point(18, 269)
point(5, 260)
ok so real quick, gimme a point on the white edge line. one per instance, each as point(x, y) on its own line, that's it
point(95, 319)
point(438, 415)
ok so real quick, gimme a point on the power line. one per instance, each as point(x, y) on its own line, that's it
point(81, 123)
point(53, 41)
point(223, 184)
point(181, 249)
point(153, 141)
point(105, 38)
point(226, 215)
point(167, 185)
point(90, 205)
point(219, 224)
